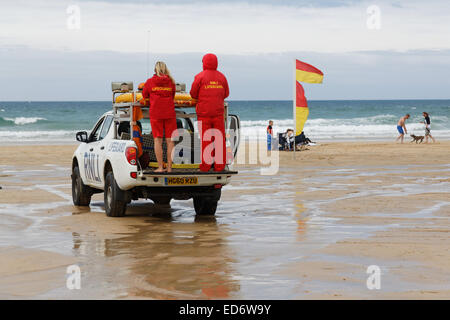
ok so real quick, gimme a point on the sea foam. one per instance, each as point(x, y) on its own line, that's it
point(24, 120)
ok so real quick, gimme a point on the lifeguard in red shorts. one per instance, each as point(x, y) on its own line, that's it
point(160, 89)
point(210, 88)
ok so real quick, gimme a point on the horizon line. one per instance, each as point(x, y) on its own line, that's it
point(240, 100)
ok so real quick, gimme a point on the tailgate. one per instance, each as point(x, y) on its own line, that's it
point(179, 178)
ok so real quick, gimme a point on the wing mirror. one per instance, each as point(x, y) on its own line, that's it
point(82, 136)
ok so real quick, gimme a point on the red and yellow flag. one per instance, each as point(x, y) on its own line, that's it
point(304, 73)
point(301, 109)
point(307, 73)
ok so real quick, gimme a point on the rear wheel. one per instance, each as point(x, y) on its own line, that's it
point(113, 206)
point(207, 205)
point(81, 194)
point(162, 201)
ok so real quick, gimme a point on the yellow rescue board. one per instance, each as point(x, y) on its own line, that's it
point(180, 98)
point(128, 97)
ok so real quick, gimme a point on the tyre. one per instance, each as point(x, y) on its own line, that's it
point(162, 201)
point(207, 205)
point(81, 194)
point(113, 206)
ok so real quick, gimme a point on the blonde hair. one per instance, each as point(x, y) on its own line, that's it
point(161, 70)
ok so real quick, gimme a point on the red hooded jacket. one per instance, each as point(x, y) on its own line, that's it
point(161, 91)
point(210, 88)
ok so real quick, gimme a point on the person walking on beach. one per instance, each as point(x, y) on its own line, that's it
point(160, 90)
point(210, 88)
point(427, 123)
point(269, 132)
point(401, 128)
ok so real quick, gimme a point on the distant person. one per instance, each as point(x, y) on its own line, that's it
point(427, 123)
point(210, 88)
point(401, 128)
point(290, 138)
point(287, 139)
point(269, 132)
point(160, 90)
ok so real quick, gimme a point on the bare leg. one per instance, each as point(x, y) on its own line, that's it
point(170, 146)
point(400, 137)
point(159, 154)
point(434, 141)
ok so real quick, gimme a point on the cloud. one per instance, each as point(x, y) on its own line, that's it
point(30, 74)
point(409, 57)
point(226, 28)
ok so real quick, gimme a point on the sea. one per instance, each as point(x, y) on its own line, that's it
point(40, 122)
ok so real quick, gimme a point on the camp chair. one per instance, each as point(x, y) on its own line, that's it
point(282, 142)
point(301, 141)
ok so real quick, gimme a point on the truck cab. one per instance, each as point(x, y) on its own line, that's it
point(106, 161)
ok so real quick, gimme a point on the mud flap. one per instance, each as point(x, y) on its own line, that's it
point(122, 195)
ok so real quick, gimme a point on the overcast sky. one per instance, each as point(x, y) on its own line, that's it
point(46, 55)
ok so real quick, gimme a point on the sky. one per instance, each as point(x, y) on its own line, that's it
point(72, 50)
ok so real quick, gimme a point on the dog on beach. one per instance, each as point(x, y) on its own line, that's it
point(417, 139)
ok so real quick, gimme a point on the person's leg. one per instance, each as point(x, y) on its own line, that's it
point(219, 144)
point(400, 132)
point(204, 124)
point(159, 154)
point(158, 131)
point(170, 127)
point(170, 146)
point(402, 136)
point(434, 141)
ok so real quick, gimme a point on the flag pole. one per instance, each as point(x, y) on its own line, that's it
point(294, 104)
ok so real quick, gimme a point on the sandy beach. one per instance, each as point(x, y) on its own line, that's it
point(310, 231)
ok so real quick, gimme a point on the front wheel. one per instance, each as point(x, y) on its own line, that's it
point(81, 194)
point(113, 206)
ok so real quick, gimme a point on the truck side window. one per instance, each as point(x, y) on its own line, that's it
point(95, 133)
point(105, 128)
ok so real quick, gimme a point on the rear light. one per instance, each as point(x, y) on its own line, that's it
point(133, 175)
point(217, 186)
point(230, 155)
point(131, 155)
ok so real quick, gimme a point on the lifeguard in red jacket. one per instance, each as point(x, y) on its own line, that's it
point(160, 89)
point(210, 88)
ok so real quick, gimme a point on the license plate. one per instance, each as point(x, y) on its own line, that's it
point(182, 181)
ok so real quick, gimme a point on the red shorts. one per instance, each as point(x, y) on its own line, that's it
point(159, 126)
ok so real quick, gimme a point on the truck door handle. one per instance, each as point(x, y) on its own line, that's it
point(103, 147)
point(91, 149)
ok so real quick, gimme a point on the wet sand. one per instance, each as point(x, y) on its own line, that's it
point(308, 232)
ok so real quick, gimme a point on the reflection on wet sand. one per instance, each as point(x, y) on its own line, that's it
point(301, 219)
point(308, 232)
point(166, 257)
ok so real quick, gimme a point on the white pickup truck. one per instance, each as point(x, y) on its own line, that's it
point(105, 161)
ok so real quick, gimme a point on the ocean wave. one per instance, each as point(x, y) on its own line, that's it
point(21, 120)
point(50, 135)
point(341, 128)
point(316, 129)
point(384, 119)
